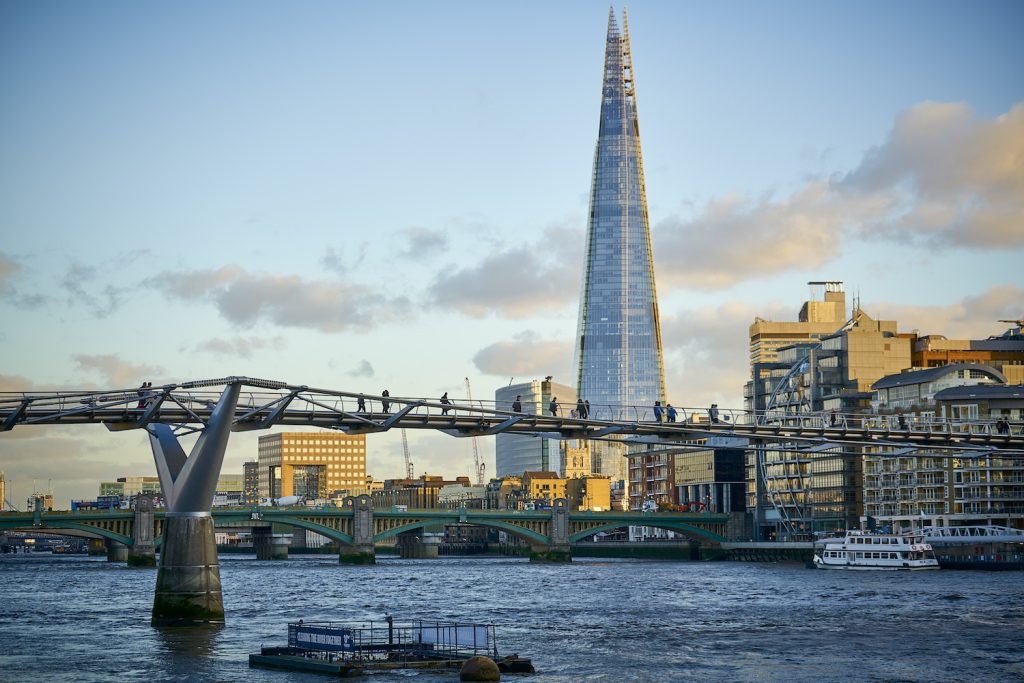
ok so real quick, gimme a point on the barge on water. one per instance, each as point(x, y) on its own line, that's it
point(343, 650)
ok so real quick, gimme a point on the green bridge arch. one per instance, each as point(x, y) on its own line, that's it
point(670, 525)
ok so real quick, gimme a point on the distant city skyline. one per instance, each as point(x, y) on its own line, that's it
point(395, 196)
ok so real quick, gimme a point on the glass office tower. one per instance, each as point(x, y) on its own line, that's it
point(618, 356)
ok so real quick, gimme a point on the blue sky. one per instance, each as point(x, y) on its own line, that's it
point(370, 195)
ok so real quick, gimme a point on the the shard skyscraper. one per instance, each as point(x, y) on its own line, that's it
point(618, 357)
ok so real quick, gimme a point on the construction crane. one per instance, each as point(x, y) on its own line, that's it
point(478, 467)
point(408, 463)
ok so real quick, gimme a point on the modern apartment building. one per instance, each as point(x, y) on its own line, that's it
point(934, 488)
point(310, 464)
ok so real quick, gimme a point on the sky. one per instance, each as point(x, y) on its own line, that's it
point(359, 196)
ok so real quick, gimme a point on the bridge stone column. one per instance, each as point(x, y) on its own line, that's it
point(268, 545)
point(419, 545)
point(116, 551)
point(143, 550)
point(557, 549)
point(188, 586)
point(361, 550)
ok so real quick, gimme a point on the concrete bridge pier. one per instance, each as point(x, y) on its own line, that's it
point(188, 586)
point(143, 550)
point(557, 549)
point(268, 545)
point(361, 550)
point(116, 551)
point(419, 545)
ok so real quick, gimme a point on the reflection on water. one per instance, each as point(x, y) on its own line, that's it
point(83, 619)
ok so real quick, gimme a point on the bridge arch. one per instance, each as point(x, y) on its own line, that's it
point(245, 519)
point(679, 526)
point(515, 530)
point(55, 527)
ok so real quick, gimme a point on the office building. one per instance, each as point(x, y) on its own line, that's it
point(310, 465)
point(617, 351)
point(515, 454)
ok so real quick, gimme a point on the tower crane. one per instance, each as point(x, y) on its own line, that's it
point(408, 462)
point(478, 467)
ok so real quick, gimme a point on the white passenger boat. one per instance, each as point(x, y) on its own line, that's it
point(862, 550)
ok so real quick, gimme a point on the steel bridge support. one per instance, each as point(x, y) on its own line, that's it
point(188, 587)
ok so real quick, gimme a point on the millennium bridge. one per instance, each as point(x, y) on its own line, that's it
point(188, 589)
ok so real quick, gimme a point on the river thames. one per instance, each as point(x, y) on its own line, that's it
point(77, 618)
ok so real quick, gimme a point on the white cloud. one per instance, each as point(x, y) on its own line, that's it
point(517, 282)
point(117, 373)
point(240, 347)
point(973, 317)
point(245, 298)
point(527, 356)
point(944, 178)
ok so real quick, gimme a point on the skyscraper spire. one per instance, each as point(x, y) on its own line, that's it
point(618, 356)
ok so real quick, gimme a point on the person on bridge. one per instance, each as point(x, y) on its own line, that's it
point(385, 404)
point(657, 411)
point(587, 404)
point(517, 405)
point(670, 412)
point(360, 405)
point(713, 413)
point(581, 409)
point(445, 402)
point(553, 406)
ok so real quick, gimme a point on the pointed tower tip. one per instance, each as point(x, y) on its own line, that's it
point(613, 26)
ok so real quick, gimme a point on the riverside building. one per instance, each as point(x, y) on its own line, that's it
point(618, 352)
point(934, 489)
point(310, 465)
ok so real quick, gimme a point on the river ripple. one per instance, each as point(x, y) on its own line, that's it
point(83, 619)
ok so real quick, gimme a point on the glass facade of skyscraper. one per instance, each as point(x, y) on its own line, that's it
point(618, 357)
point(618, 354)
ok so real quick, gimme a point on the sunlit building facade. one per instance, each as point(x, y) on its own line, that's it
point(618, 353)
point(310, 465)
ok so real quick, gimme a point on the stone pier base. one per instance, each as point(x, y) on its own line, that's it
point(188, 589)
point(550, 553)
point(422, 546)
point(116, 552)
point(144, 558)
point(270, 546)
point(357, 554)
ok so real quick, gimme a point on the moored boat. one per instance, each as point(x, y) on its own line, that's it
point(862, 550)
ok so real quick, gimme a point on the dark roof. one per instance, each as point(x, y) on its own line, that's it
point(987, 392)
point(932, 374)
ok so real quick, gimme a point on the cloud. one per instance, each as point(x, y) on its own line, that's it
point(78, 281)
point(526, 355)
point(118, 373)
point(953, 179)
point(517, 282)
point(707, 351)
point(240, 347)
point(364, 369)
point(15, 383)
point(424, 242)
point(334, 262)
point(973, 317)
point(944, 178)
point(9, 269)
point(245, 298)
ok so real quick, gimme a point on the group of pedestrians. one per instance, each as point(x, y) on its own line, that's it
point(1002, 426)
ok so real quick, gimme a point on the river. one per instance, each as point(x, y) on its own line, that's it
point(78, 618)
